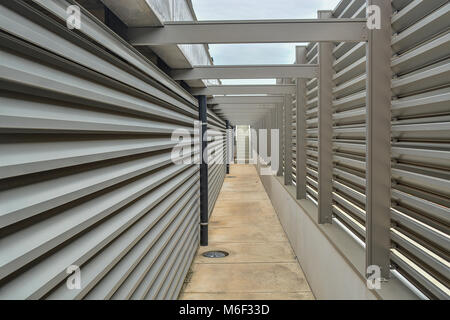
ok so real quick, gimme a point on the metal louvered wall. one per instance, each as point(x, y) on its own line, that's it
point(294, 136)
point(421, 144)
point(420, 129)
point(349, 127)
point(217, 152)
point(86, 176)
point(312, 132)
point(420, 139)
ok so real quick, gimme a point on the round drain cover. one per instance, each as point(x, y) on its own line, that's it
point(215, 254)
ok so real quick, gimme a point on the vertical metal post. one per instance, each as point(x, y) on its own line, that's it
point(280, 143)
point(325, 118)
point(257, 127)
point(378, 139)
point(228, 150)
point(287, 137)
point(268, 127)
point(233, 131)
point(203, 171)
point(301, 127)
point(264, 138)
point(260, 126)
point(272, 126)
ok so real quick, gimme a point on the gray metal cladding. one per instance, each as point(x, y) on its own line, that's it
point(217, 152)
point(420, 124)
point(86, 176)
point(294, 136)
point(311, 111)
point(420, 139)
point(349, 127)
point(421, 145)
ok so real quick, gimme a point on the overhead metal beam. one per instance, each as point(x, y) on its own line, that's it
point(307, 71)
point(246, 99)
point(244, 121)
point(248, 110)
point(234, 111)
point(244, 116)
point(237, 115)
point(251, 31)
point(241, 106)
point(247, 115)
point(244, 89)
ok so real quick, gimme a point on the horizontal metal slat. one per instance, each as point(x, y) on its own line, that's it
point(170, 216)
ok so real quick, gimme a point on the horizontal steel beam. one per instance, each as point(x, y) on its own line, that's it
point(244, 106)
point(307, 71)
point(246, 99)
point(242, 111)
point(237, 115)
point(244, 120)
point(251, 31)
point(244, 89)
point(236, 110)
point(244, 116)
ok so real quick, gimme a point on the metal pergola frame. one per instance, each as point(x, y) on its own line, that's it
point(323, 30)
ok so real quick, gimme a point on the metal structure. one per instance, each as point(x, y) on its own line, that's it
point(87, 177)
point(405, 226)
point(268, 31)
point(364, 126)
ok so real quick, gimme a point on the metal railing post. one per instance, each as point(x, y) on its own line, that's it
point(202, 104)
point(325, 125)
point(378, 139)
point(301, 127)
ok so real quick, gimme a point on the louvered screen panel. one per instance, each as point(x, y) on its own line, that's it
point(421, 145)
point(86, 172)
point(349, 127)
point(312, 128)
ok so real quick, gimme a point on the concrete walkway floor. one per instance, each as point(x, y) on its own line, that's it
point(261, 264)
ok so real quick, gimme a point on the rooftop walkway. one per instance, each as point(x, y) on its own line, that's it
point(261, 264)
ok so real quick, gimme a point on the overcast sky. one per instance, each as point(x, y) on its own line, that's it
point(277, 53)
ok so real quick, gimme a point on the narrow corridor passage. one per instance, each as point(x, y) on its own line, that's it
point(261, 264)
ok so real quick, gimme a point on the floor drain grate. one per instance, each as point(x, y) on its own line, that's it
point(215, 254)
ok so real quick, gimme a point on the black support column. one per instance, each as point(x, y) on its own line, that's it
point(204, 217)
